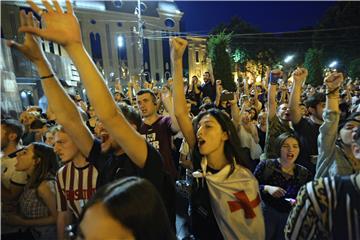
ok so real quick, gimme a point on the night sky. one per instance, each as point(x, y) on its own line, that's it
point(202, 16)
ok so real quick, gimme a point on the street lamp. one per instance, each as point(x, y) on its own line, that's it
point(120, 41)
point(333, 64)
point(288, 58)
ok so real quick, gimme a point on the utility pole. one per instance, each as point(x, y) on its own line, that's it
point(140, 32)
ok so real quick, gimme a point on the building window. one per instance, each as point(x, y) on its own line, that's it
point(95, 43)
point(26, 98)
point(169, 23)
point(197, 60)
point(117, 3)
point(157, 76)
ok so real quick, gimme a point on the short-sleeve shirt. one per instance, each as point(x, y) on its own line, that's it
point(74, 187)
point(308, 133)
point(209, 90)
point(159, 136)
point(111, 167)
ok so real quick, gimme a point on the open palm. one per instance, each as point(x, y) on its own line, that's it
point(31, 46)
point(62, 28)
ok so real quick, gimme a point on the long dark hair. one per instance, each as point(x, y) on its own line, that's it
point(47, 165)
point(137, 205)
point(232, 149)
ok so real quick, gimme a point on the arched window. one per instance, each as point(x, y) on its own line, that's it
point(95, 42)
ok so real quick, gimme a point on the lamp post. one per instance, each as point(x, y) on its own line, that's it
point(333, 64)
point(287, 66)
point(288, 58)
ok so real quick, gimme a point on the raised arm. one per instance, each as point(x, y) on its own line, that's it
point(299, 76)
point(178, 46)
point(328, 130)
point(274, 77)
point(64, 29)
point(167, 100)
point(219, 89)
point(64, 108)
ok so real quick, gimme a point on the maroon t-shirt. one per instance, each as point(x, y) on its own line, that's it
point(159, 136)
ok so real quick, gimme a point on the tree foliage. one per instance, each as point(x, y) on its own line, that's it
point(354, 68)
point(219, 54)
point(314, 66)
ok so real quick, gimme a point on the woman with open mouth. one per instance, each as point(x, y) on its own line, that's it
point(225, 197)
point(280, 180)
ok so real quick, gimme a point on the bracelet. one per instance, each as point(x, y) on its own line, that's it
point(45, 77)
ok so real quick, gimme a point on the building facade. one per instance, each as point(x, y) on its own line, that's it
point(110, 35)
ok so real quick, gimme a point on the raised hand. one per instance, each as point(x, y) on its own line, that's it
point(333, 81)
point(31, 45)
point(178, 46)
point(58, 26)
point(274, 76)
point(219, 87)
point(299, 75)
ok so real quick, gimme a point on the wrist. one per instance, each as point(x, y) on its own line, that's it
point(72, 47)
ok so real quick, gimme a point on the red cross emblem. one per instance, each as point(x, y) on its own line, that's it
point(243, 202)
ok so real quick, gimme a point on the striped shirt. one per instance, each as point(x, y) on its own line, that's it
point(74, 187)
point(327, 208)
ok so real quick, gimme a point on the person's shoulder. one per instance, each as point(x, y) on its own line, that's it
point(45, 186)
point(64, 168)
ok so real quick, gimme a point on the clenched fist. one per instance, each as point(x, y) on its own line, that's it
point(299, 75)
point(333, 81)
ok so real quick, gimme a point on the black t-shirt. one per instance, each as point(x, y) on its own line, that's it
point(308, 132)
point(209, 90)
point(111, 167)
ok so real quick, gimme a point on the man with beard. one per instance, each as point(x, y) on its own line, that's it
point(208, 89)
point(278, 117)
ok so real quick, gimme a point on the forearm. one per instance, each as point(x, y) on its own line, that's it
point(63, 107)
point(168, 105)
point(64, 219)
point(271, 101)
point(97, 90)
point(217, 99)
point(332, 102)
point(180, 108)
point(38, 221)
point(294, 104)
point(246, 88)
point(178, 93)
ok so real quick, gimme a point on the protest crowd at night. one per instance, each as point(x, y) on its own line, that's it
point(270, 159)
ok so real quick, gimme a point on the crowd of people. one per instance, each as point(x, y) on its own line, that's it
point(277, 159)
